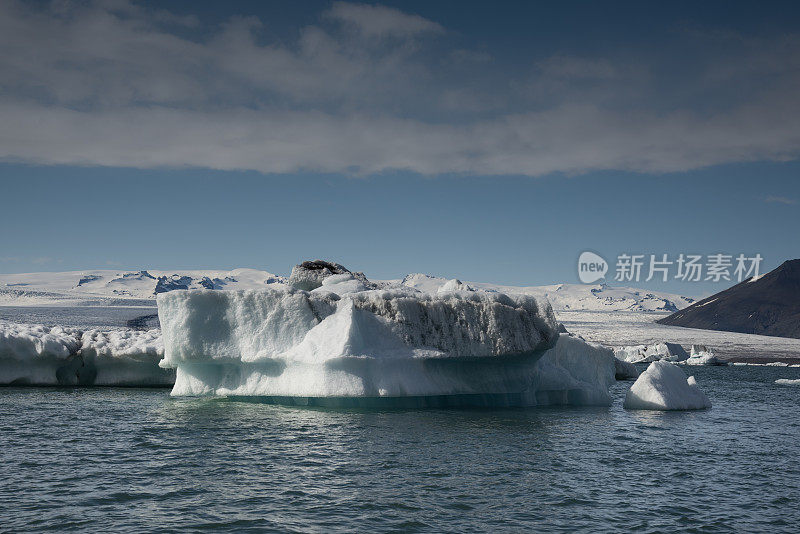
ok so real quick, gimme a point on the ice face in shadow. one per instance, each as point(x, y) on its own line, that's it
point(664, 386)
point(400, 346)
point(625, 370)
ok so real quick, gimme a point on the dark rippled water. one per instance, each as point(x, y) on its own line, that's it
point(137, 460)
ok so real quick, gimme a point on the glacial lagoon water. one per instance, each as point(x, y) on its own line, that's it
point(137, 460)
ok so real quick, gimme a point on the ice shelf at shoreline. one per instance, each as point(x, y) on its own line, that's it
point(343, 340)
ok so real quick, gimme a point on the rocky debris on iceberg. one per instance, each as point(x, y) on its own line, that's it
point(345, 340)
point(309, 275)
point(664, 386)
point(51, 356)
point(702, 355)
point(671, 352)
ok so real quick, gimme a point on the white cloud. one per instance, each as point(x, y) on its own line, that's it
point(781, 200)
point(381, 21)
point(364, 91)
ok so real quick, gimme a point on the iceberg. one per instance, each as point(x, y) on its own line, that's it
point(343, 343)
point(664, 386)
point(624, 370)
point(56, 356)
point(671, 352)
point(702, 355)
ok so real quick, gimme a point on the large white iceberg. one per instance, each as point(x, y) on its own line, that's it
point(664, 386)
point(334, 343)
point(50, 356)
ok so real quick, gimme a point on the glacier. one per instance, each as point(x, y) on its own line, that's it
point(343, 342)
point(664, 386)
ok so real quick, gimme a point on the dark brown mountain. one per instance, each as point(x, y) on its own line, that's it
point(769, 305)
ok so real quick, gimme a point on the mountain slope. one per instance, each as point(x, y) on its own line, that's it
point(768, 305)
point(97, 285)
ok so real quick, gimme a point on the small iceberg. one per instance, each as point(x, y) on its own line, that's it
point(671, 352)
point(664, 386)
point(624, 370)
point(788, 382)
point(702, 355)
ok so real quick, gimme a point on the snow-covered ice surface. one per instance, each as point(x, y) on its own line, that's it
point(461, 347)
point(109, 287)
point(119, 288)
point(664, 386)
point(49, 356)
point(671, 352)
point(618, 329)
point(564, 297)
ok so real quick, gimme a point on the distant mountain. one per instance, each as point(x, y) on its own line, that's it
point(768, 305)
point(97, 287)
point(574, 297)
point(139, 288)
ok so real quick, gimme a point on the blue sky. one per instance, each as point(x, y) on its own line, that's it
point(489, 142)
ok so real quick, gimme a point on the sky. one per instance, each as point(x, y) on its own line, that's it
point(486, 141)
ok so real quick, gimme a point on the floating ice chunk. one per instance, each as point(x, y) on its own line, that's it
point(788, 382)
point(472, 347)
point(672, 352)
point(702, 355)
point(624, 370)
point(664, 386)
point(574, 372)
point(40, 355)
point(124, 357)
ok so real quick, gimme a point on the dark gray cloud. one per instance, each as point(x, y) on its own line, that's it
point(369, 89)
